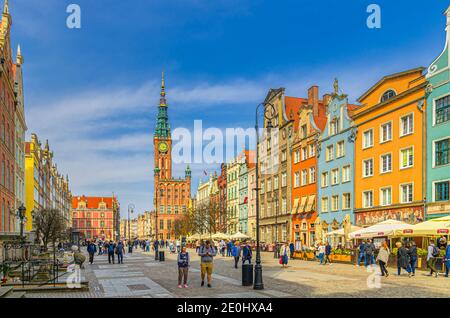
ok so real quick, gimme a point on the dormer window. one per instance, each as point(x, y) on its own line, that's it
point(388, 95)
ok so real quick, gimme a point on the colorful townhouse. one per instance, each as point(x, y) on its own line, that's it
point(335, 163)
point(438, 132)
point(252, 201)
point(222, 185)
point(233, 196)
point(389, 150)
point(243, 192)
point(275, 167)
point(309, 122)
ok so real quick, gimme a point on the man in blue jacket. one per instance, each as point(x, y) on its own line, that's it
point(236, 252)
point(246, 253)
point(91, 249)
point(362, 248)
point(447, 259)
point(229, 248)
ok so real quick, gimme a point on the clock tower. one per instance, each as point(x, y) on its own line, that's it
point(162, 139)
point(171, 196)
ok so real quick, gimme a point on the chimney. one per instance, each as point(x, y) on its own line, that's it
point(313, 99)
point(326, 99)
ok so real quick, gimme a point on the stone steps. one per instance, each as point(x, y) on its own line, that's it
point(8, 292)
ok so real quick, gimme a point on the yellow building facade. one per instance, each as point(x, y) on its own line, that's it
point(45, 187)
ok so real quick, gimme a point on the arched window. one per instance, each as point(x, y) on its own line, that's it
point(387, 95)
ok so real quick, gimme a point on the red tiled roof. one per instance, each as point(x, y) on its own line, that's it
point(93, 202)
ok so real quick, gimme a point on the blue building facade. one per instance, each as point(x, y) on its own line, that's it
point(438, 132)
point(335, 164)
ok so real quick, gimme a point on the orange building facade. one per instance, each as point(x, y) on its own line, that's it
point(95, 217)
point(171, 196)
point(309, 122)
point(389, 156)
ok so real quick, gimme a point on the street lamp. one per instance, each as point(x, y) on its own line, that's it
point(258, 281)
point(21, 215)
point(130, 209)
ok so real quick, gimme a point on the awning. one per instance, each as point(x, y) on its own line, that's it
point(311, 203)
point(341, 232)
point(434, 227)
point(295, 208)
point(385, 228)
point(301, 208)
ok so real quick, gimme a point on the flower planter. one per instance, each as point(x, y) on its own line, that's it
point(310, 256)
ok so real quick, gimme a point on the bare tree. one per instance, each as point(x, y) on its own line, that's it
point(50, 226)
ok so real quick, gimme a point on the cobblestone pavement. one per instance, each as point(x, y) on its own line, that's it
point(142, 276)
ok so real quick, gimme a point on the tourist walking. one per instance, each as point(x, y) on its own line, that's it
point(236, 252)
point(361, 249)
point(91, 249)
point(183, 267)
point(229, 247)
point(369, 252)
point(100, 248)
point(284, 252)
point(178, 245)
point(321, 251)
point(383, 258)
point(207, 253)
point(120, 249)
point(433, 252)
point(327, 253)
point(412, 253)
point(111, 246)
point(402, 259)
point(246, 253)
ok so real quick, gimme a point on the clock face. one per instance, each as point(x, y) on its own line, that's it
point(163, 147)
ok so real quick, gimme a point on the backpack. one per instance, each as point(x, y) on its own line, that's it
point(436, 251)
point(111, 248)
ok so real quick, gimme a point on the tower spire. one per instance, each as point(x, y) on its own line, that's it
point(162, 101)
point(19, 57)
point(162, 122)
point(6, 7)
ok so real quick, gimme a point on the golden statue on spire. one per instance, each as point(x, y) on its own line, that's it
point(162, 101)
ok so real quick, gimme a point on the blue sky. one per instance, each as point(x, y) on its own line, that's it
point(93, 92)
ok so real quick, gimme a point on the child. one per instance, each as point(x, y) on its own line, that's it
point(183, 267)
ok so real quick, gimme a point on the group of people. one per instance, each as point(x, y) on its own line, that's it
point(109, 248)
point(406, 257)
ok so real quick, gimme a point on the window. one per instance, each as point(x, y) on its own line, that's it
point(283, 205)
point(334, 176)
point(367, 199)
point(304, 131)
point(161, 224)
point(386, 132)
point(296, 179)
point(442, 191)
point(406, 158)
point(340, 149)
point(283, 156)
point(330, 153)
point(176, 209)
point(325, 204)
point(386, 196)
point(406, 191)
point(297, 156)
point(386, 163)
point(368, 139)
point(387, 95)
point(368, 168)
point(283, 179)
point(304, 153)
point(312, 175)
point(304, 177)
point(334, 203)
point(161, 209)
point(442, 152)
point(324, 181)
point(442, 110)
point(312, 151)
point(269, 185)
point(346, 174)
point(346, 201)
point(406, 125)
point(275, 182)
point(334, 126)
